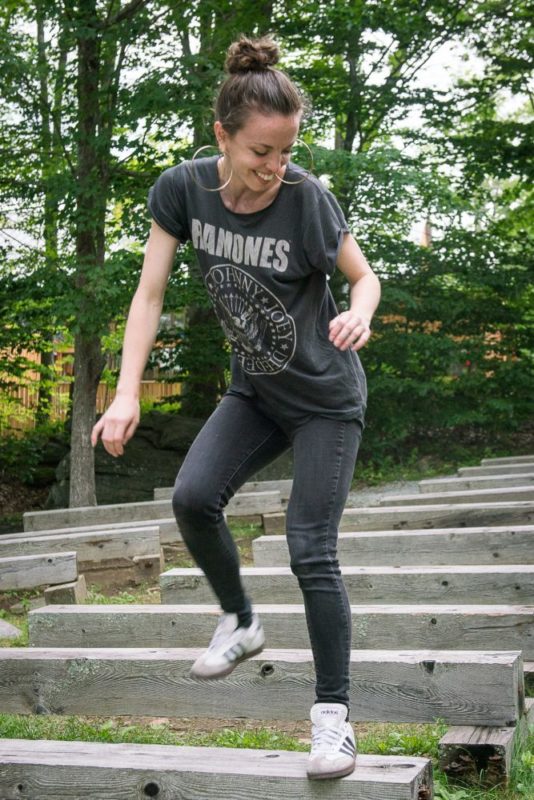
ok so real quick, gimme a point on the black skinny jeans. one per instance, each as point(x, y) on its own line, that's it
point(238, 440)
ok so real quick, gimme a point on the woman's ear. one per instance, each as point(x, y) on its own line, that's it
point(220, 134)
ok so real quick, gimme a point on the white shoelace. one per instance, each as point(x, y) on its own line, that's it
point(326, 740)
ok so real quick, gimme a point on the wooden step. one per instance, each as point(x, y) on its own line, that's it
point(455, 484)
point(381, 626)
point(48, 770)
point(448, 515)
point(27, 572)
point(370, 585)
point(505, 544)
point(239, 505)
point(168, 529)
point(498, 469)
point(511, 494)
point(459, 687)
point(507, 460)
point(92, 547)
point(282, 486)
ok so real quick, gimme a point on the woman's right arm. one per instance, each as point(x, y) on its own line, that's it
point(119, 422)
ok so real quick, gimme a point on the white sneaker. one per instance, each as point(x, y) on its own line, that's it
point(229, 646)
point(333, 750)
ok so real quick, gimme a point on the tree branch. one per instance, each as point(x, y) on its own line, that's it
point(129, 11)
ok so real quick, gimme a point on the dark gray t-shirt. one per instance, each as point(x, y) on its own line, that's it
point(266, 273)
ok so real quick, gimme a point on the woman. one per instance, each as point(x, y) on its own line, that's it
point(267, 235)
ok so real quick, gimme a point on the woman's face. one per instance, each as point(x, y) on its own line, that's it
point(260, 150)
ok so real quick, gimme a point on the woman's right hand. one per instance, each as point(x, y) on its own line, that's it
point(118, 424)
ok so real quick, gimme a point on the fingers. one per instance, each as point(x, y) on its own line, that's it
point(114, 432)
point(349, 330)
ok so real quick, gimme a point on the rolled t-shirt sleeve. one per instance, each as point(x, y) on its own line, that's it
point(324, 234)
point(166, 203)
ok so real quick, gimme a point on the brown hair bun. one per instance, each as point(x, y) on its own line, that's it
point(251, 55)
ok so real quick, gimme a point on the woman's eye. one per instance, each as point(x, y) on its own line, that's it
point(259, 154)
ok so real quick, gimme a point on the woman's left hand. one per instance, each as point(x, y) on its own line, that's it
point(349, 329)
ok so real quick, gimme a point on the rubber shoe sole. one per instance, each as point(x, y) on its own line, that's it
point(341, 773)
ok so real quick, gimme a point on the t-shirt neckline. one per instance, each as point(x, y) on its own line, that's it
point(248, 214)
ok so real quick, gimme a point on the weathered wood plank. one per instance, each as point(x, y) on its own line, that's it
point(73, 592)
point(370, 585)
point(455, 484)
point(48, 770)
point(529, 676)
point(395, 626)
point(511, 494)
point(282, 486)
point(26, 572)
point(504, 544)
point(478, 755)
point(451, 515)
point(459, 687)
point(437, 516)
point(168, 529)
point(258, 503)
point(507, 460)
point(92, 547)
point(498, 469)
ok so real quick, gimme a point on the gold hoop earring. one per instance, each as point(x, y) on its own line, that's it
point(192, 171)
point(308, 173)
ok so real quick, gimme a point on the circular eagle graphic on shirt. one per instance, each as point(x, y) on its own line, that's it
point(255, 322)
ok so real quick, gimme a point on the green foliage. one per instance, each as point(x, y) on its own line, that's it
point(452, 343)
point(22, 455)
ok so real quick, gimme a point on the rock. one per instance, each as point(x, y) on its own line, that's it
point(8, 631)
point(151, 458)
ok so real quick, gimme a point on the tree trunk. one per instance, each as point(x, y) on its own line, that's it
point(88, 364)
point(90, 221)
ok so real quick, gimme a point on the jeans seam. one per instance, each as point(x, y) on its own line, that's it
point(337, 578)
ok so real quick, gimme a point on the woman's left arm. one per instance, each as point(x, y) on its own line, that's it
point(352, 328)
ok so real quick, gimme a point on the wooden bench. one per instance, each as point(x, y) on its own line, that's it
point(459, 687)
point(98, 552)
point(241, 505)
point(369, 585)
point(447, 515)
point(465, 627)
point(455, 484)
point(50, 769)
point(495, 495)
point(505, 544)
point(28, 572)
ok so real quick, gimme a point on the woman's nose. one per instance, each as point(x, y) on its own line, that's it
point(275, 161)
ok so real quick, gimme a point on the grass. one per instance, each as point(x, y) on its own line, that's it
point(379, 739)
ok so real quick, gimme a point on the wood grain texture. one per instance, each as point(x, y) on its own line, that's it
point(507, 460)
point(91, 546)
point(282, 486)
point(396, 626)
point(512, 468)
point(502, 544)
point(370, 585)
point(459, 687)
point(495, 495)
point(257, 503)
point(466, 752)
point(465, 515)
point(73, 770)
point(26, 572)
point(455, 484)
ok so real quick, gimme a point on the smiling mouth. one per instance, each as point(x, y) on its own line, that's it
point(264, 176)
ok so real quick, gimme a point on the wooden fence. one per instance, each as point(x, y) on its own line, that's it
point(24, 399)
